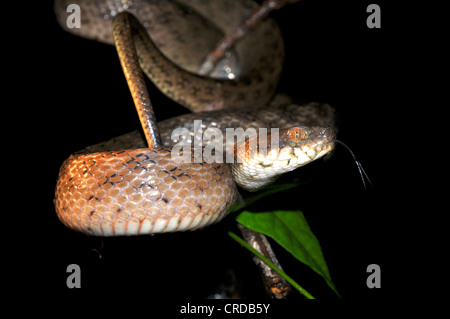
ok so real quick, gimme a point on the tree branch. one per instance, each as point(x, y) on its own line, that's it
point(239, 32)
point(276, 286)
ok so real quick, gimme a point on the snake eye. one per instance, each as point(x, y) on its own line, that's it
point(297, 134)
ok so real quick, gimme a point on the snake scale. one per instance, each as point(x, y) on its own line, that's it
point(128, 186)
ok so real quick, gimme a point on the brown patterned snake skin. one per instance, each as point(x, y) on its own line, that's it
point(129, 187)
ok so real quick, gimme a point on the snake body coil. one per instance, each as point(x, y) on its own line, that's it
point(180, 31)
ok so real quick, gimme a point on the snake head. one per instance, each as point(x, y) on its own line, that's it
point(294, 147)
point(306, 143)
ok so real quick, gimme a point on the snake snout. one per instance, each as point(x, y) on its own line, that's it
point(322, 140)
point(316, 142)
point(325, 133)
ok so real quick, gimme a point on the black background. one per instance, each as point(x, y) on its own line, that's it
point(80, 97)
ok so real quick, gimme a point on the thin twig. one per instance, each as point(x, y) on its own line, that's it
point(239, 32)
point(272, 265)
point(276, 286)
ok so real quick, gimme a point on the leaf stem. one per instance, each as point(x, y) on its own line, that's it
point(261, 193)
point(271, 265)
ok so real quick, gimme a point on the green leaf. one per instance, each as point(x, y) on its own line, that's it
point(291, 230)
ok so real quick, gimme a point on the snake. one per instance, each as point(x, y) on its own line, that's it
point(132, 185)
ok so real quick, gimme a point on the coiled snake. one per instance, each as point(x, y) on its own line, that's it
point(143, 189)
